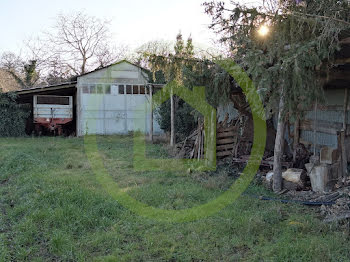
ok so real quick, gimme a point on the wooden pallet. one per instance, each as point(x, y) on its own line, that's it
point(226, 140)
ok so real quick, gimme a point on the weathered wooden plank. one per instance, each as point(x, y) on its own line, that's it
point(226, 134)
point(225, 147)
point(224, 153)
point(342, 61)
point(345, 41)
point(225, 141)
point(227, 129)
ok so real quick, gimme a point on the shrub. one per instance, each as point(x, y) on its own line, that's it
point(13, 116)
point(185, 119)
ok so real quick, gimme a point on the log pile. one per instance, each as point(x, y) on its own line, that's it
point(231, 141)
point(193, 146)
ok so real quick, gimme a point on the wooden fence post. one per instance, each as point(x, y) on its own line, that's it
point(343, 135)
point(172, 119)
point(151, 110)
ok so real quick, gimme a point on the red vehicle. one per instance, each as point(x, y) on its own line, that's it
point(52, 112)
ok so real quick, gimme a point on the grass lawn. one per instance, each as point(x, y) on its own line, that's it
point(53, 209)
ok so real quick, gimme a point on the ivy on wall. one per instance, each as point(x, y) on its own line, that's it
point(13, 116)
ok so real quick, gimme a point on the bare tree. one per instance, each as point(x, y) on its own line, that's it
point(108, 54)
point(76, 44)
point(159, 48)
point(11, 61)
point(78, 38)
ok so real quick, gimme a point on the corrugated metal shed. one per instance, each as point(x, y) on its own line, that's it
point(111, 99)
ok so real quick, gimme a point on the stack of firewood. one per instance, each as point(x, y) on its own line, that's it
point(193, 146)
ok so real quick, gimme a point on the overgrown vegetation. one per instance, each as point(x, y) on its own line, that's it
point(53, 209)
point(286, 61)
point(302, 36)
point(185, 118)
point(29, 76)
point(184, 67)
point(12, 115)
point(165, 71)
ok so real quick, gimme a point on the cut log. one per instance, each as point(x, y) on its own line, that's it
point(291, 186)
point(294, 175)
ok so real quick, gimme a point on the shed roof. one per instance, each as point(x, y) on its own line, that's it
point(46, 88)
point(73, 83)
point(116, 63)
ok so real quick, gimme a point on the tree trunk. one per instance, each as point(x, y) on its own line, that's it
point(172, 120)
point(278, 151)
point(83, 65)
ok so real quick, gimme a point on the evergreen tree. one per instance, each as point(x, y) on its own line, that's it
point(179, 46)
point(189, 53)
point(174, 67)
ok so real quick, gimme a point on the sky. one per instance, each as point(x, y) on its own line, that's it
point(133, 22)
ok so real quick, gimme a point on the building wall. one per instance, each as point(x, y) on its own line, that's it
point(226, 110)
point(330, 114)
point(104, 109)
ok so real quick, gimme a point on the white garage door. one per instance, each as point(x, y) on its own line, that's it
point(114, 109)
